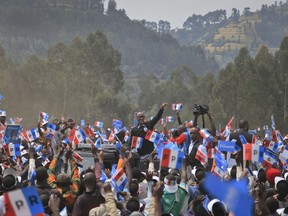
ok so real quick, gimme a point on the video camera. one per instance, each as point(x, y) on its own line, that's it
point(200, 109)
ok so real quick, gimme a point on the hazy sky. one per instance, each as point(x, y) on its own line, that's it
point(177, 11)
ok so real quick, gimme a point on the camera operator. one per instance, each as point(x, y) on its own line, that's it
point(202, 110)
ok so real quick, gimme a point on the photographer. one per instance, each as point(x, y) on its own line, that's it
point(202, 110)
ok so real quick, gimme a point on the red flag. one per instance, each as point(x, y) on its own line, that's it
point(229, 124)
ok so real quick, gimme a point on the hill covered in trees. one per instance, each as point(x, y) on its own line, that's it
point(224, 36)
point(32, 26)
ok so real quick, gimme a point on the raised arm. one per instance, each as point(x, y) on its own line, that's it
point(213, 127)
point(155, 120)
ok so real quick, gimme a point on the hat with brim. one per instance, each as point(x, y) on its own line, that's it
point(2, 113)
point(211, 203)
point(155, 178)
point(281, 212)
point(286, 176)
point(256, 172)
point(9, 171)
point(170, 182)
point(10, 178)
point(278, 180)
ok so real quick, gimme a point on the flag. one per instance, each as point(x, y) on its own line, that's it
point(98, 143)
point(234, 194)
point(273, 146)
point(226, 146)
point(257, 153)
point(247, 151)
point(242, 139)
point(228, 127)
point(269, 159)
point(78, 159)
point(253, 152)
point(17, 120)
point(117, 124)
point(51, 128)
point(279, 136)
point(162, 121)
point(169, 119)
point(66, 141)
point(98, 124)
point(31, 135)
point(43, 117)
point(82, 123)
point(220, 161)
point(45, 162)
point(152, 136)
point(12, 121)
point(273, 126)
point(205, 134)
point(119, 177)
point(79, 137)
point(172, 158)
point(89, 132)
point(136, 142)
point(24, 201)
point(201, 154)
point(177, 106)
point(211, 152)
point(229, 124)
point(219, 172)
point(103, 177)
point(14, 149)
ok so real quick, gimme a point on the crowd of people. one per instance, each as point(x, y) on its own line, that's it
point(181, 171)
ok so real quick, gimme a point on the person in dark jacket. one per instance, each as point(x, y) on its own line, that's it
point(143, 126)
point(243, 130)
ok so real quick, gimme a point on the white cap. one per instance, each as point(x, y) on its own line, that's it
point(277, 180)
point(2, 113)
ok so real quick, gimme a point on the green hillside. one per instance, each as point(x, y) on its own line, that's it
point(224, 38)
point(32, 26)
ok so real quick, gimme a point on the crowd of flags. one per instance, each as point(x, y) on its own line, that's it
point(169, 154)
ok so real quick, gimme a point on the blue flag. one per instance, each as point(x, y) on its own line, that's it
point(220, 161)
point(113, 170)
point(234, 194)
point(103, 177)
point(25, 197)
point(117, 124)
point(226, 146)
point(243, 139)
point(98, 143)
point(82, 123)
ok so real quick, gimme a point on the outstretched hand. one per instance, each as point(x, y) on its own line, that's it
point(163, 105)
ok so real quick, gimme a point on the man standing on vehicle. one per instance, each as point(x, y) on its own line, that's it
point(143, 126)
